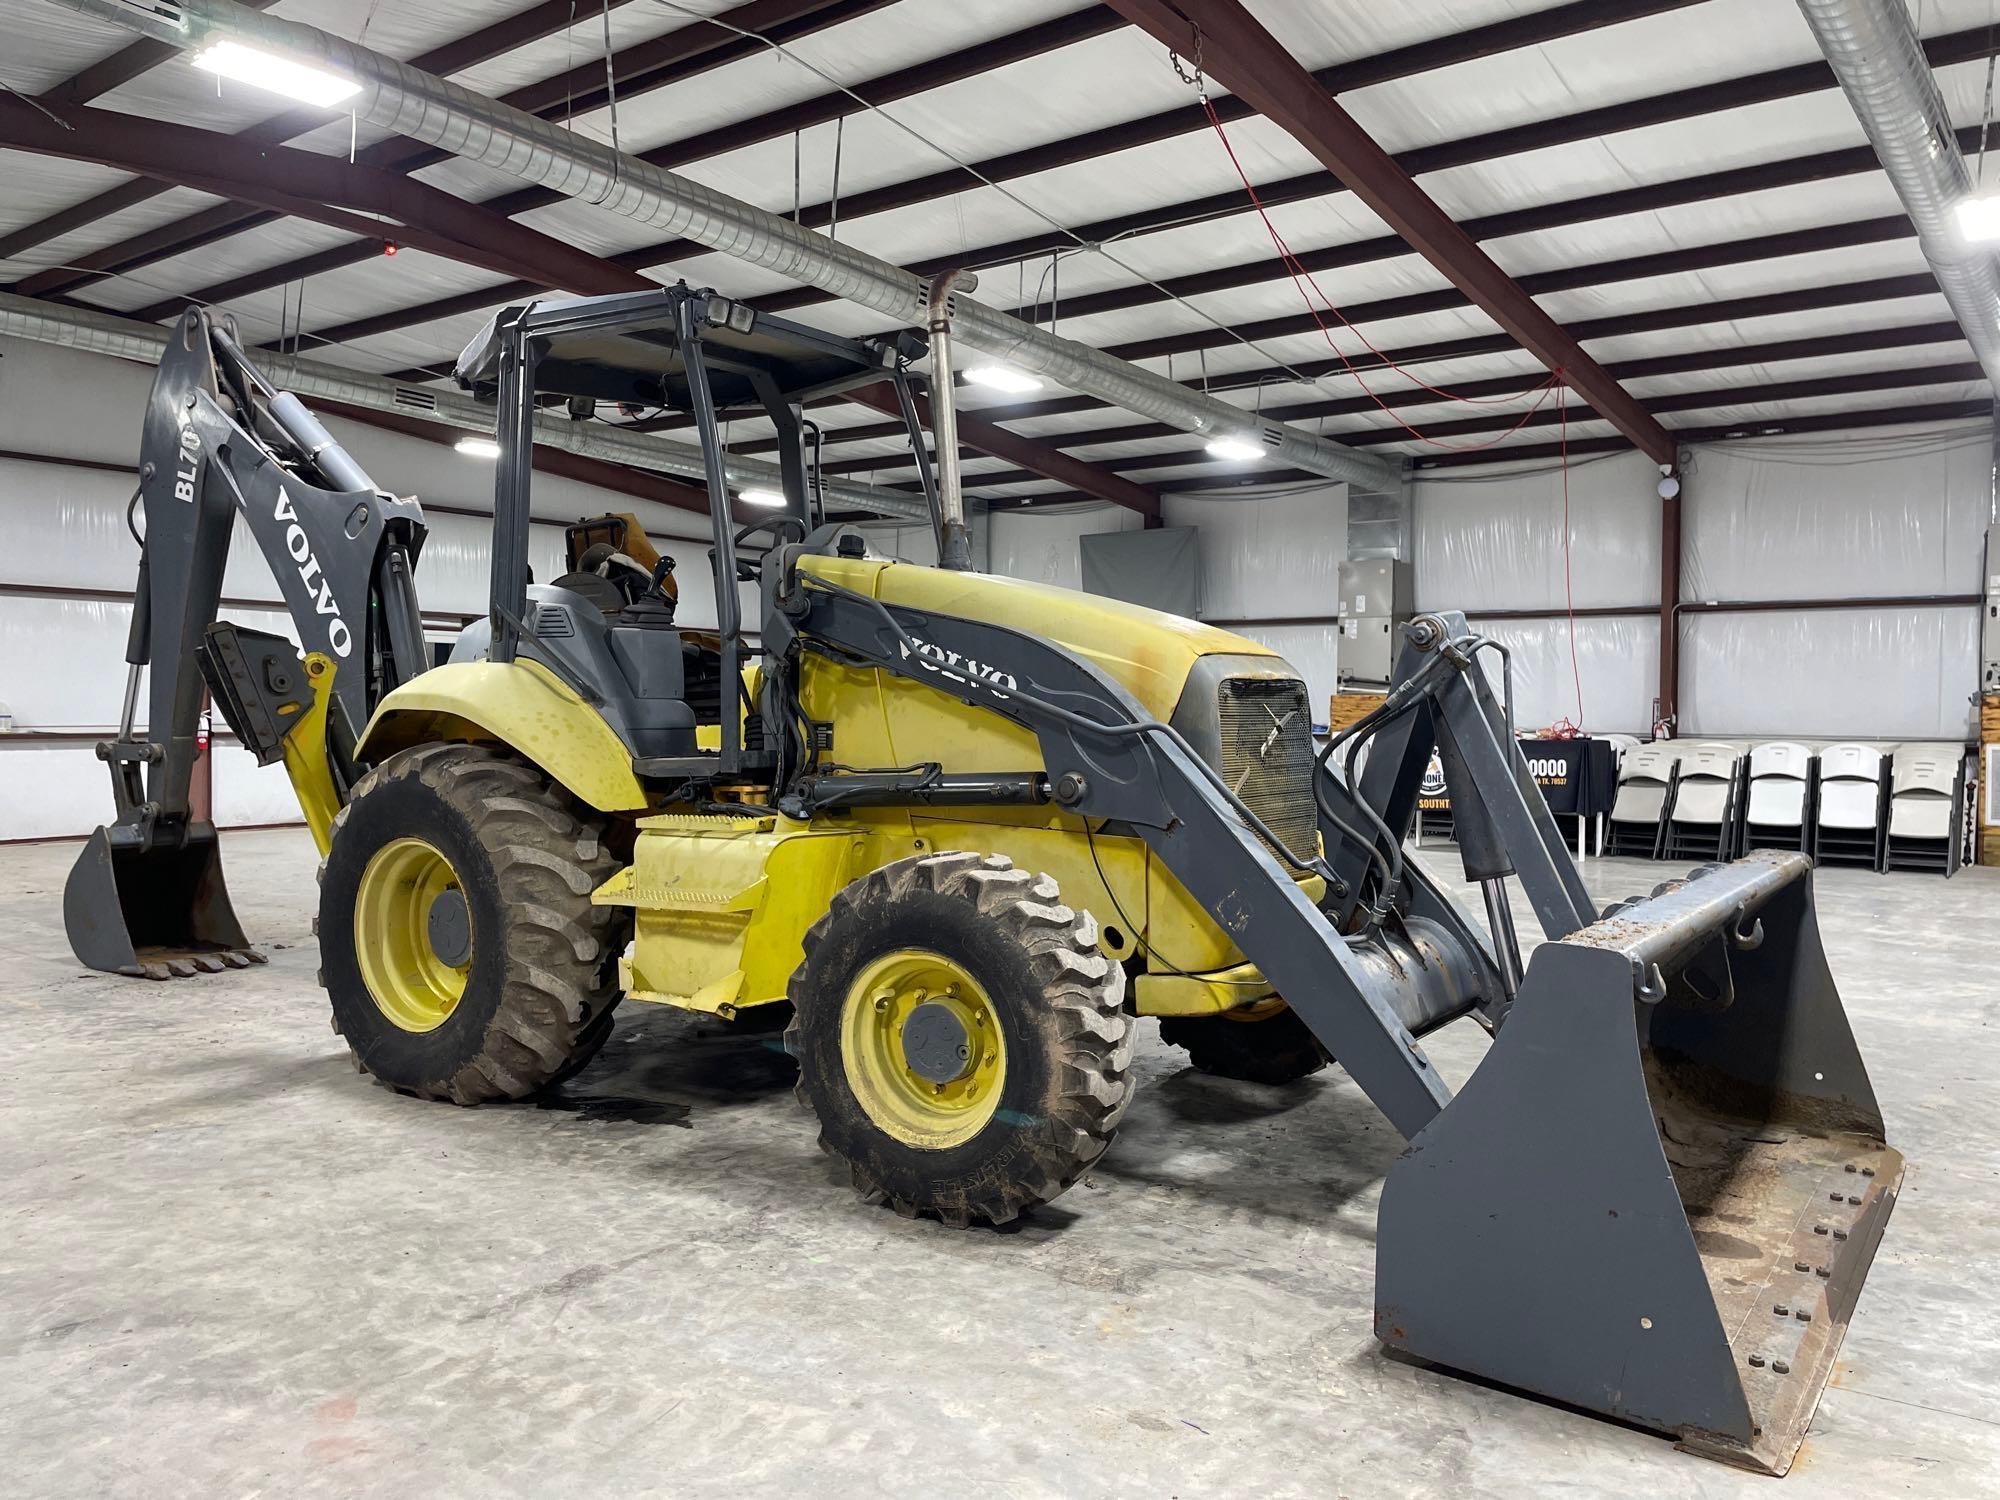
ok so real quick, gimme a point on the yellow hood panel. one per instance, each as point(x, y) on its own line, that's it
point(1148, 651)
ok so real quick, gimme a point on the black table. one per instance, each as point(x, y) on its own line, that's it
point(1578, 778)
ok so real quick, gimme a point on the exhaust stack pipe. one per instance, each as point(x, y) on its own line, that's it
point(953, 550)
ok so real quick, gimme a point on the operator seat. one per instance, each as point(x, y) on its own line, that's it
point(611, 580)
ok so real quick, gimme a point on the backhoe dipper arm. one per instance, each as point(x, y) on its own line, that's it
point(219, 439)
point(147, 895)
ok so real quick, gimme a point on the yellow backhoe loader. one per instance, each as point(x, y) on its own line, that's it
point(970, 830)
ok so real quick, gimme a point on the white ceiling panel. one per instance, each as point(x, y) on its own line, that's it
point(37, 186)
point(1085, 86)
point(154, 280)
point(270, 245)
point(46, 43)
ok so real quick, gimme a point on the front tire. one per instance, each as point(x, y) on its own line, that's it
point(458, 944)
point(960, 1039)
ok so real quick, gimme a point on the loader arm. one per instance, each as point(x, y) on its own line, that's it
point(221, 441)
point(1368, 996)
point(1660, 1192)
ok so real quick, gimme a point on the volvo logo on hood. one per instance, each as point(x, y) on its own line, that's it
point(934, 658)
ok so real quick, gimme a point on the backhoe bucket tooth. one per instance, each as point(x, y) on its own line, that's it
point(160, 913)
point(1660, 1193)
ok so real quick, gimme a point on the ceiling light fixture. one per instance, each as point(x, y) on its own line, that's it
point(1978, 216)
point(477, 447)
point(280, 75)
point(1235, 450)
point(768, 498)
point(1003, 378)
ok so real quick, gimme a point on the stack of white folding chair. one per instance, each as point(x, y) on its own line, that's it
point(1701, 814)
point(1847, 826)
point(1778, 800)
point(1926, 809)
point(1645, 781)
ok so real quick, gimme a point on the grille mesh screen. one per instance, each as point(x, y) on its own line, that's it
point(1267, 756)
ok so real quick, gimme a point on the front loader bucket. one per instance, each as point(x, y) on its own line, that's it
point(1660, 1193)
point(157, 913)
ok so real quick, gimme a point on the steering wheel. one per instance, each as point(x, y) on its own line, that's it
point(782, 529)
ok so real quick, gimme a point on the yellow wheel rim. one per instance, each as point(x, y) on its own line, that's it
point(410, 983)
point(922, 1048)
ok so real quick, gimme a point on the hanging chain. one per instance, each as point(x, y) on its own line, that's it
point(1189, 72)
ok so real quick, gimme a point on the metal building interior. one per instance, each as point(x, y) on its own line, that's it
point(1572, 419)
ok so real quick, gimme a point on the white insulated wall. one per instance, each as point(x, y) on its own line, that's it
point(62, 667)
point(1486, 543)
point(1893, 514)
point(1273, 559)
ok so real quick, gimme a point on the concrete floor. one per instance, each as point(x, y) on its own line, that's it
point(231, 1267)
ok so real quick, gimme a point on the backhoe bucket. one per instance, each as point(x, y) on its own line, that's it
point(159, 913)
point(1660, 1193)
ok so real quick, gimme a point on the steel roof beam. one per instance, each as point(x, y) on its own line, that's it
point(1833, 421)
point(1256, 67)
point(144, 55)
point(1845, 384)
point(1047, 462)
point(1681, 104)
point(1478, 42)
point(1820, 166)
point(1693, 361)
point(1829, 421)
point(655, 64)
point(310, 185)
point(1700, 188)
point(1781, 83)
point(1698, 257)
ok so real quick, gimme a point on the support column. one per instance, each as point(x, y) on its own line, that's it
point(1667, 704)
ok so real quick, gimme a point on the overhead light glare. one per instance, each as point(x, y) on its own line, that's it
point(1234, 450)
point(280, 75)
point(477, 447)
point(1979, 217)
point(769, 499)
point(1003, 378)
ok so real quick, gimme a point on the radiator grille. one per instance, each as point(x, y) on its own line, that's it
point(553, 620)
point(1267, 756)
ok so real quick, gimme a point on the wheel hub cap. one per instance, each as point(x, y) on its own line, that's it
point(922, 1049)
point(936, 1043)
point(450, 926)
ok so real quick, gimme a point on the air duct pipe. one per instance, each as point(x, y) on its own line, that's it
point(105, 333)
point(410, 102)
point(1879, 61)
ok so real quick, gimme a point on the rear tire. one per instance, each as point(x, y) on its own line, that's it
point(1276, 1048)
point(532, 1000)
point(1037, 1015)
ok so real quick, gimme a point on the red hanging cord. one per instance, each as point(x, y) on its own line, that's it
point(1302, 279)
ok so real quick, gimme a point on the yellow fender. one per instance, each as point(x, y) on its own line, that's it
point(519, 704)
